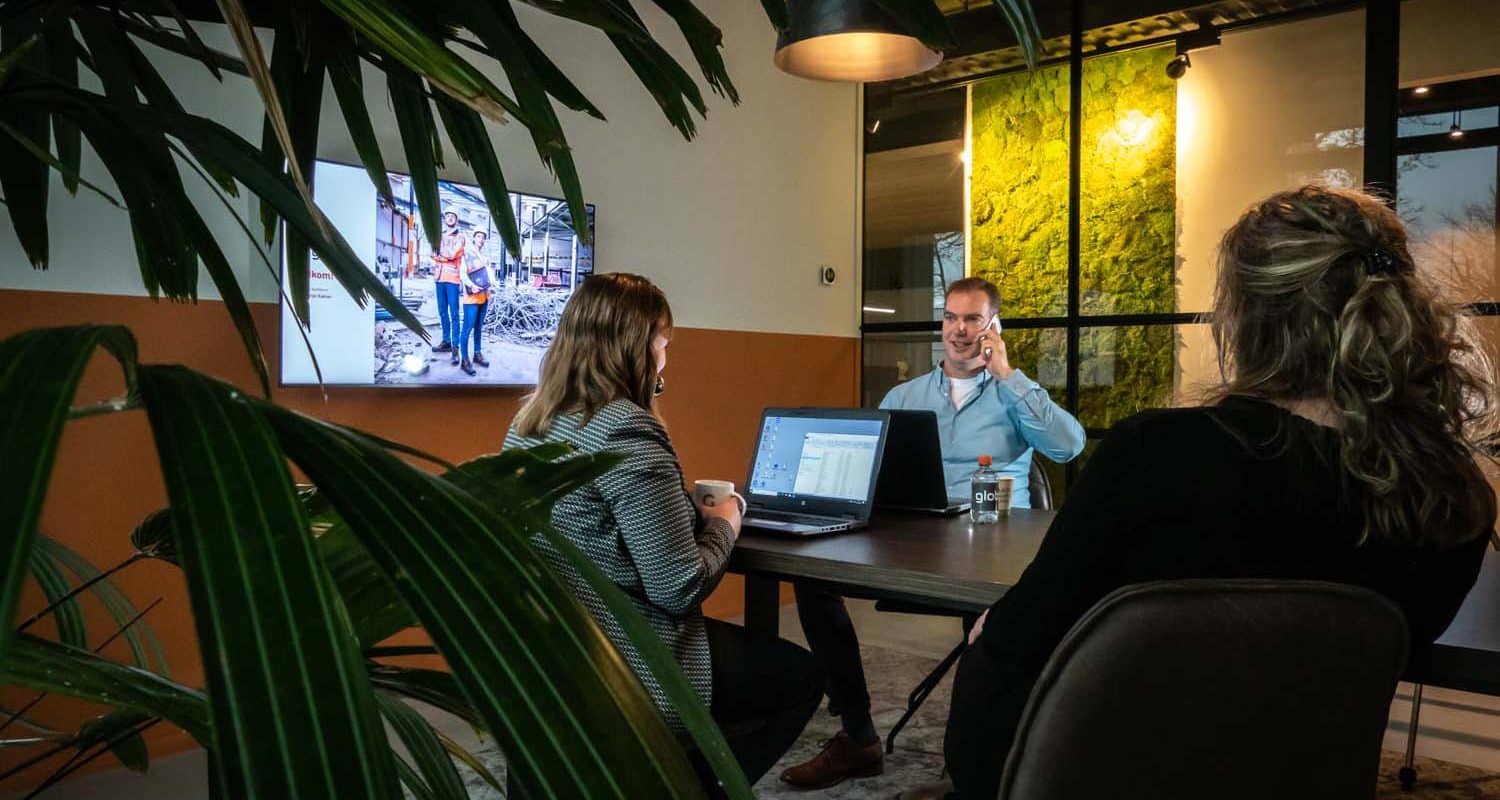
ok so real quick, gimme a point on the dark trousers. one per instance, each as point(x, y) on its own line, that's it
point(986, 708)
point(830, 634)
point(448, 313)
point(473, 321)
point(765, 691)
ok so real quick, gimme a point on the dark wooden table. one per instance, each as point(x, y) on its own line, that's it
point(938, 561)
point(951, 563)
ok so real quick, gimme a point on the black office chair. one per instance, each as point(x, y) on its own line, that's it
point(1041, 498)
point(1223, 689)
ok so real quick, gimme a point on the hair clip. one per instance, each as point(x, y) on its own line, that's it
point(1380, 261)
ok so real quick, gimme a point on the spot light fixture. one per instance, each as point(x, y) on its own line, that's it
point(848, 40)
point(1420, 90)
point(1205, 35)
point(1457, 131)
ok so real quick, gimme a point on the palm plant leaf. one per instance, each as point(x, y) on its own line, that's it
point(421, 742)
point(669, 84)
point(222, 273)
point(62, 65)
point(472, 143)
point(419, 142)
point(245, 548)
point(471, 761)
point(705, 39)
point(526, 474)
point(39, 664)
point(157, 93)
point(497, 27)
point(152, 538)
point(119, 732)
point(213, 142)
point(299, 82)
point(70, 175)
point(71, 629)
point(260, 75)
point(1022, 20)
point(345, 74)
point(597, 14)
point(168, 261)
point(413, 781)
point(214, 60)
point(23, 179)
point(557, 84)
point(145, 648)
point(442, 550)
point(406, 41)
point(376, 610)
point(39, 373)
point(194, 45)
point(437, 689)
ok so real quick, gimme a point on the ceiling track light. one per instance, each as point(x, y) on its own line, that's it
point(1205, 35)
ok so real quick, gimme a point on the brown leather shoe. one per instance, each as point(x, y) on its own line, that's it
point(841, 758)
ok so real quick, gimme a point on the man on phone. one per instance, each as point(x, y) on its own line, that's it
point(984, 406)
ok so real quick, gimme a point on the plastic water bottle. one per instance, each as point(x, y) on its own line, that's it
point(984, 490)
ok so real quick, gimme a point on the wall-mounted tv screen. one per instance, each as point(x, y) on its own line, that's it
point(497, 313)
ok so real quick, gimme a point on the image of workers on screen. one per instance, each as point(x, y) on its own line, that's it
point(488, 314)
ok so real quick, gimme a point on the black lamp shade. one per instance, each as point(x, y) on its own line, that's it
point(848, 40)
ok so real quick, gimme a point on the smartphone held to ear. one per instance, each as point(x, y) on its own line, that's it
point(994, 324)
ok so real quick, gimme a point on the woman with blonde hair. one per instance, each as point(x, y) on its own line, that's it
point(1345, 446)
point(597, 392)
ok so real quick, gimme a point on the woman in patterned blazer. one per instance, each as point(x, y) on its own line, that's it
point(597, 392)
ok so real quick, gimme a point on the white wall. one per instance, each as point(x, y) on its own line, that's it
point(1253, 116)
point(732, 225)
point(1448, 40)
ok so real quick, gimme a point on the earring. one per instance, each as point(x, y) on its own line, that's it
point(661, 386)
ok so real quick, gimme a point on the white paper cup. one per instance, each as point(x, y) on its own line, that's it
point(719, 491)
point(1003, 491)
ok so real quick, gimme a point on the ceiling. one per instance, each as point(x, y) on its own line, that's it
point(986, 46)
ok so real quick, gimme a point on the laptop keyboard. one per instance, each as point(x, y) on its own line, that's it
point(782, 516)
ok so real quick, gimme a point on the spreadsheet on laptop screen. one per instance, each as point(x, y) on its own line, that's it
point(816, 457)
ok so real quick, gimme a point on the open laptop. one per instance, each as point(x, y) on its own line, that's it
point(814, 470)
point(911, 475)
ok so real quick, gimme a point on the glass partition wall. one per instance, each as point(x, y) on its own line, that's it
point(1102, 232)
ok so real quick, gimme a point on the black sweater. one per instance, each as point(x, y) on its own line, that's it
point(1243, 489)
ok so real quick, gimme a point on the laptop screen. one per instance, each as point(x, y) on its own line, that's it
point(831, 458)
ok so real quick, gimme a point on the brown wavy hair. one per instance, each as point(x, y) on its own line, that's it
point(1319, 299)
point(602, 351)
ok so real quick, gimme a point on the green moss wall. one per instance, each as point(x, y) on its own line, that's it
point(1019, 215)
point(1018, 191)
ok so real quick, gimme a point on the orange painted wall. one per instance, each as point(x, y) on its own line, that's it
point(107, 477)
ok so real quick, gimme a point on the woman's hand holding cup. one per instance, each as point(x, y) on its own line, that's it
point(718, 499)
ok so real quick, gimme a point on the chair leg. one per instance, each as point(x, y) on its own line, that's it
point(1408, 773)
point(923, 688)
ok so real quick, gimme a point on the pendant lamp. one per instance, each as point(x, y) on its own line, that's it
point(848, 40)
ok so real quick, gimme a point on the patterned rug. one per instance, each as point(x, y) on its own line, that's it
point(918, 757)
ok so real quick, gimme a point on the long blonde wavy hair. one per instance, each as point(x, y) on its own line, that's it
point(1319, 299)
point(602, 351)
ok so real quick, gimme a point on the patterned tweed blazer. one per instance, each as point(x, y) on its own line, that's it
point(640, 526)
